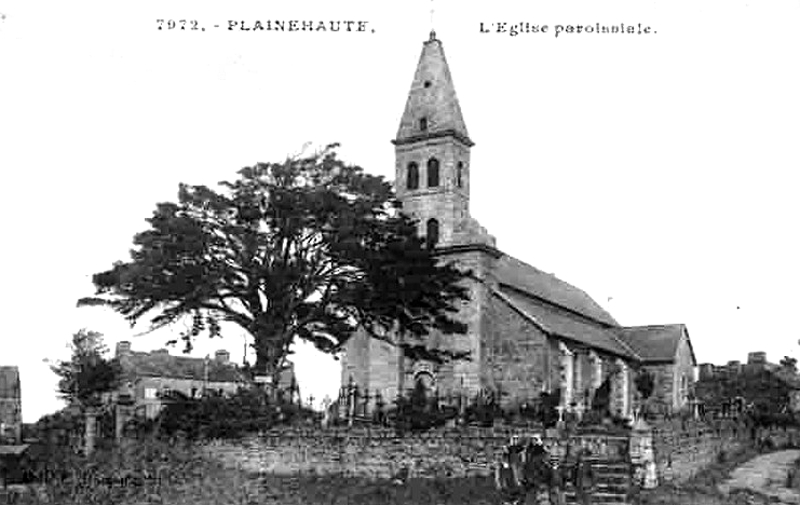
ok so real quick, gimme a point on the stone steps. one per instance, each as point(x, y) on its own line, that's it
point(612, 483)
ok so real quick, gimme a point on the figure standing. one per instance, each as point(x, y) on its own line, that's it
point(583, 477)
point(508, 473)
point(540, 475)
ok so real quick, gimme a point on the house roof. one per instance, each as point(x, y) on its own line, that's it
point(656, 342)
point(9, 382)
point(550, 288)
point(558, 322)
point(163, 364)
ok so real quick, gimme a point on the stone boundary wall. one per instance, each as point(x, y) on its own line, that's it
point(683, 448)
point(381, 453)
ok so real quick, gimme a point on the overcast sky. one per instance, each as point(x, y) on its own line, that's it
point(656, 172)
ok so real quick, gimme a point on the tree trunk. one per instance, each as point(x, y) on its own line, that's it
point(269, 353)
point(91, 431)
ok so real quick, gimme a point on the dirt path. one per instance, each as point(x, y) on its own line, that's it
point(766, 475)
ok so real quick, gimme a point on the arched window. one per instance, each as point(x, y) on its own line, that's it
point(432, 233)
point(423, 124)
point(460, 174)
point(412, 176)
point(433, 173)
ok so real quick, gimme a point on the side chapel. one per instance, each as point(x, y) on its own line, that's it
point(529, 332)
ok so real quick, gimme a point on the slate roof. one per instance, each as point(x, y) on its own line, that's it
point(656, 342)
point(555, 321)
point(432, 96)
point(524, 277)
point(143, 364)
point(163, 364)
point(9, 382)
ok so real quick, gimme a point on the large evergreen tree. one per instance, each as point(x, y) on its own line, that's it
point(88, 373)
point(311, 248)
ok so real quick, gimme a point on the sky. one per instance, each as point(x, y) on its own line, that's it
point(657, 172)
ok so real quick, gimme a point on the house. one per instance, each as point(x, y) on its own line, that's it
point(12, 449)
point(150, 376)
point(529, 332)
point(10, 406)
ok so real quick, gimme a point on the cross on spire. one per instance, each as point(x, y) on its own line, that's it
point(433, 32)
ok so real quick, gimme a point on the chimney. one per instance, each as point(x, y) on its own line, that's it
point(123, 347)
point(222, 356)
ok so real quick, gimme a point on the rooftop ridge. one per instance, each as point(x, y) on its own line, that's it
point(556, 304)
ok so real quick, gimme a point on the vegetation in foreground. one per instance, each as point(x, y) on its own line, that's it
point(153, 471)
point(702, 488)
point(158, 472)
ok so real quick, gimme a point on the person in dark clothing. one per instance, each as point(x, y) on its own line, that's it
point(540, 475)
point(508, 473)
point(583, 477)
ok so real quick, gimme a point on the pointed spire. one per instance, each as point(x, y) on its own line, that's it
point(432, 109)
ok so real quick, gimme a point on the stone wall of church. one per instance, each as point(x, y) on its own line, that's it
point(356, 359)
point(668, 393)
point(662, 399)
point(516, 357)
point(465, 375)
point(376, 366)
point(383, 369)
point(445, 202)
point(684, 367)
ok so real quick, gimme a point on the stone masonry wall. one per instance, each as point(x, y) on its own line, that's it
point(516, 353)
point(662, 399)
point(381, 453)
point(377, 367)
point(668, 396)
point(683, 448)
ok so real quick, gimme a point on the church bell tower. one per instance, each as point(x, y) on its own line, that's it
point(432, 151)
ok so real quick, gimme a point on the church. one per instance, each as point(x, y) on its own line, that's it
point(528, 331)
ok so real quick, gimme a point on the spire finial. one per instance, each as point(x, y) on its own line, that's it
point(433, 32)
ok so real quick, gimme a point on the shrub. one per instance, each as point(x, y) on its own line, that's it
point(418, 412)
point(217, 416)
point(484, 412)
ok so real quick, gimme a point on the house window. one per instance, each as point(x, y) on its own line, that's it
point(432, 233)
point(150, 393)
point(423, 124)
point(459, 174)
point(412, 176)
point(433, 173)
point(194, 392)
